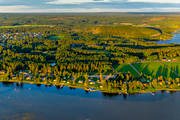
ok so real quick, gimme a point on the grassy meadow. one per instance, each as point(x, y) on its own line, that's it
point(154, 69)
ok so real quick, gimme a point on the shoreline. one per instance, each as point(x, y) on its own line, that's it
point(96, 90)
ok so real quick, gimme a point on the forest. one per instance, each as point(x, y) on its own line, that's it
point(112, 53)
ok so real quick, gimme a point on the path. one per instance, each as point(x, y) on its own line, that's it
point(115, 70)
point(134, 69)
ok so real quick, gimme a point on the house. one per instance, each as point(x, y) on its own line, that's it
point(28, 78)
point(98, 81)
point(14, 78)
point(26, 75)
point(80, 82)
point(175, 60)
point(169, 60)
point(91, 89)
point(63, 81)
point(145, 85)
point(42, 74)
point(2, 72)
point(92, 82)
point(164, 59)
point(161, 82)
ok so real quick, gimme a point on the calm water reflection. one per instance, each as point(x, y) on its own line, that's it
point(39, 102)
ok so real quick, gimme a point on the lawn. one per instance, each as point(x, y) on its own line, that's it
point(126, 68)
point(154, 69)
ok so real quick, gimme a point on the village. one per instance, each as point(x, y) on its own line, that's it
point(19, 36)
point(26, 76)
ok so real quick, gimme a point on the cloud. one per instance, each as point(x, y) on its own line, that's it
point(15, 8)
point(59, 10)
point(45, 6)
point(112, 1)
point(28, 9)
point(156, 1)
point(76, 1)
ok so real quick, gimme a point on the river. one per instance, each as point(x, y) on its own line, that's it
point(40, 102)
point(175, 39)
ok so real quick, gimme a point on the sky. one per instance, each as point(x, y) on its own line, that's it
point(60, 6)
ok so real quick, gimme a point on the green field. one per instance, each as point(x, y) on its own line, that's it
point(126, 68)
point(154, 69)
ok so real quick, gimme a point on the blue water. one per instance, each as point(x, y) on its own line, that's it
point(175, 39)
point(33, 102)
